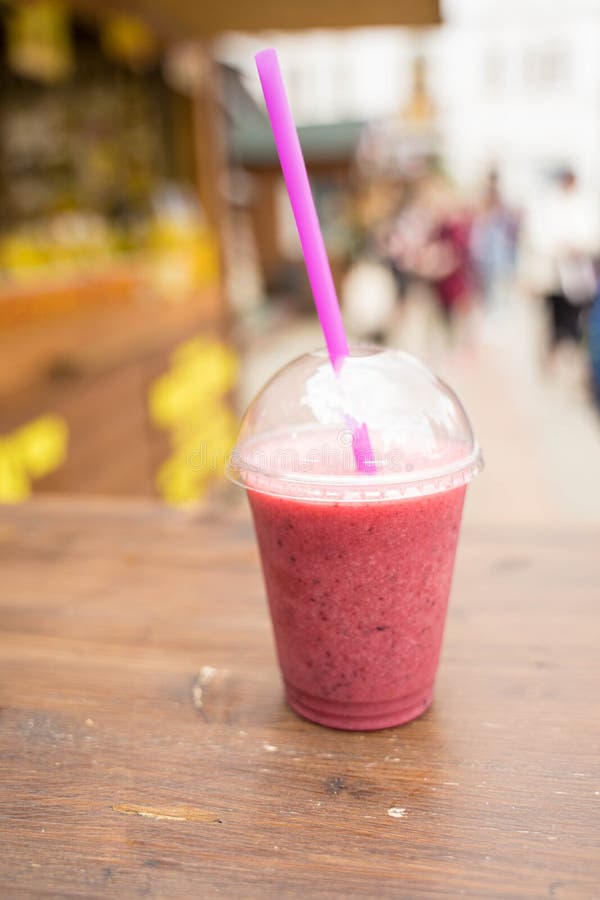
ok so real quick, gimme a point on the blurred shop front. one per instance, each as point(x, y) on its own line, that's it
point(109, 264)
point(139, 197)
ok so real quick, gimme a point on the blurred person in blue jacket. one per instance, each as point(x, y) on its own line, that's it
point(594, 347)
point(494, 238)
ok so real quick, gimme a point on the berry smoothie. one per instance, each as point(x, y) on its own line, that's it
point(358, 595)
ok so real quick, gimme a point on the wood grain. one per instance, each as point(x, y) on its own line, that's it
point(167, 813)
point(146, 749)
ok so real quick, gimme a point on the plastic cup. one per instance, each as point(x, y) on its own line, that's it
point(357, 566)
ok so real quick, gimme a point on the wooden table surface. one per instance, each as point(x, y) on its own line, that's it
point(146, 749)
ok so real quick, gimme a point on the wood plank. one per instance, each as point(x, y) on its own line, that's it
point(129, 767)
point(181, 19)
point(98, 339)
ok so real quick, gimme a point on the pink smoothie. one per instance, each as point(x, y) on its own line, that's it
point(358, 595)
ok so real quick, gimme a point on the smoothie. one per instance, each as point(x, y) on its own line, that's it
point(357, 565)
point(358, 595)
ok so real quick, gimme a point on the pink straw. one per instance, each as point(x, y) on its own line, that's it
point(309, 231)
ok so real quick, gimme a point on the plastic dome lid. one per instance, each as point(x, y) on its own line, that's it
point(296, 436)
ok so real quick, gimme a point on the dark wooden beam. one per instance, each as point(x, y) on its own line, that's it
point(184, 19)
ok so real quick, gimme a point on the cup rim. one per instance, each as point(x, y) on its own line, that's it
point(353, 486)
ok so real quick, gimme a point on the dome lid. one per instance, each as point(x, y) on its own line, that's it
point(296, 438)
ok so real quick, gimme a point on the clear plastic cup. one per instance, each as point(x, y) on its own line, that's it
point(357, 566)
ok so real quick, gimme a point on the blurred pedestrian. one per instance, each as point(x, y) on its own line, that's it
point(594, 348)
point(428, 246)
point(369, 297)
point(447, 260)
point(401, 241)
point(564, 241)
point(494, 243)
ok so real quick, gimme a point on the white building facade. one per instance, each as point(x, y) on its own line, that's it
point(516, 84)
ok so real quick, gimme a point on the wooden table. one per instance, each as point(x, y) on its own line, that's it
point(146, 748)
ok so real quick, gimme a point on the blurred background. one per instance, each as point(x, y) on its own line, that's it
point(150, 272)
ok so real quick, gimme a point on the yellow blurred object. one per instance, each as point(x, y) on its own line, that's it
point(190, 402)
point(201, 370)
point(129, 40)
point(39, 41)
point(177, 482)
point(20, 255)
point(43, 444)
point(185, 256)
point(34, 450)
point(212, 423)
point(14, 481)
point(65, 243)
point(212, 362)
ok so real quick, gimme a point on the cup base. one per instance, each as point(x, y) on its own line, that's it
point(349, 716)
